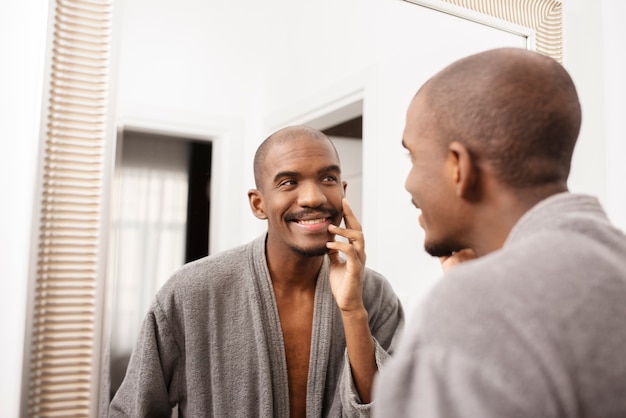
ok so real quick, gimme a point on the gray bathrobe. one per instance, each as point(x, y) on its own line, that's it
point(212, 343)
point(536, 329)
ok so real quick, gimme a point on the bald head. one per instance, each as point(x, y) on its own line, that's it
point(281, 136)
point(515, 110)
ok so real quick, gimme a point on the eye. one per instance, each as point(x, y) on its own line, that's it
point(287, 183)
point(329, 178)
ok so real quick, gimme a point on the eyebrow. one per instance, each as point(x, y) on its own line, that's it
point(328, 169)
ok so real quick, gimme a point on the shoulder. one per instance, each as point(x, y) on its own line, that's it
point(374, 283)
point(206, 276)
point(472, 314)
point(481, 301)
point(378, 295)
point(523, 292)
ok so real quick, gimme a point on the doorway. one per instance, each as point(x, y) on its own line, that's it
point(160, 221)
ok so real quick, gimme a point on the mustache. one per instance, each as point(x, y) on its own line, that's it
point(325, 213)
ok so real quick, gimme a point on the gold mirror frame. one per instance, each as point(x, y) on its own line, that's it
point(540, 20)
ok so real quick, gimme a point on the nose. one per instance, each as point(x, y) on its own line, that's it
point(310, 195)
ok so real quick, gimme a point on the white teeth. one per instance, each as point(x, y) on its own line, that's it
point(312, 221)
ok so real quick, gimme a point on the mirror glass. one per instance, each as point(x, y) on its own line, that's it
point(201, 84)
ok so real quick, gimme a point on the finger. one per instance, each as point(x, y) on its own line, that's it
point(355, 239)
point(349, 217)
point(447, 262)
point(344, 247)
point(353, 230)
point(351, 235)
point(352, 253)
point(334, 256)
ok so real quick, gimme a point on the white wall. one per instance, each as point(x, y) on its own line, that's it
point(583, 38)
point(22, 42)
point(227, 70)
point(614, 63)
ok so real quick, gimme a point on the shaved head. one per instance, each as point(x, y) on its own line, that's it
point(515, 110)
point(287, 134)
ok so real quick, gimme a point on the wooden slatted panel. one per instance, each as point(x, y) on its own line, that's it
point(544, 16)
point(63, 331)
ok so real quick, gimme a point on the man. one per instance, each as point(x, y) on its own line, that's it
point(535, 326)
point(274, 328)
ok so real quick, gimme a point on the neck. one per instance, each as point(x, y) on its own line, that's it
point(504, 209)
point(293, 272)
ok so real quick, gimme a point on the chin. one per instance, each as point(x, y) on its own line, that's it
point(311, 251)
point(312, 245)
point(439, 249)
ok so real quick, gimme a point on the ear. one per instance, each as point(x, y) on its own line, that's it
point(345, 185)
point(463, 170)
point(255, 198)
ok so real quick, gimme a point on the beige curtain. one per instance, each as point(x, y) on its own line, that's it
point(148, 227)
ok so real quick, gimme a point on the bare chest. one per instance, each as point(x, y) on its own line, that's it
point(297, 324)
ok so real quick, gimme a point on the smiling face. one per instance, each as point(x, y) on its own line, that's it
point(299, 193)
point(431, 181)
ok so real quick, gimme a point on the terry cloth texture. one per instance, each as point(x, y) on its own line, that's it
point(212, 344)
point(536, 329)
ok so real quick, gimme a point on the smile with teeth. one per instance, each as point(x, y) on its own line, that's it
point(312, 221)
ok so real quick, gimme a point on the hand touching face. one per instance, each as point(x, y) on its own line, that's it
point(346, 276)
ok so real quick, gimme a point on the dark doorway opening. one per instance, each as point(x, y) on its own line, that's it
point(198, 201)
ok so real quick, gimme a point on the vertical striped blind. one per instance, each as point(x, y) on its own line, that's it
point(64, 308)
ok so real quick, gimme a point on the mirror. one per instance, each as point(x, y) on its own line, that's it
point(223, 77)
